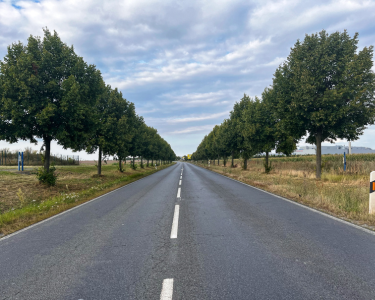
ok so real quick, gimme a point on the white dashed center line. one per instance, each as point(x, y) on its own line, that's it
point(180, 182)
point(175, 222)
point(167, 290)
point(179, 193)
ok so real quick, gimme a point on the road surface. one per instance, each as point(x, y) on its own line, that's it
point(190, 234)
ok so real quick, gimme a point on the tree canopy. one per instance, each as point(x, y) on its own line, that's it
point(326, 88)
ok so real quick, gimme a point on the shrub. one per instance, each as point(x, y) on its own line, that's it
point(47, 177)
point(267, 167)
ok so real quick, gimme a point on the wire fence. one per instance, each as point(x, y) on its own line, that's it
point(31, 158)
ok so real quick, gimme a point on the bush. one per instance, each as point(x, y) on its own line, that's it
point(134, 166)
point(267, 167)
point(47, 177)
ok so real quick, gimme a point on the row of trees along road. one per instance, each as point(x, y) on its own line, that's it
point(47, 91)
point(325, 90)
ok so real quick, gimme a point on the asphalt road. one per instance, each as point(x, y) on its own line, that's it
point(219, 240)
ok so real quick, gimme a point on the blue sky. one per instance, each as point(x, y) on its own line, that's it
point(185, 63)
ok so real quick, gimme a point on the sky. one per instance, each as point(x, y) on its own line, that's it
point(185, 63)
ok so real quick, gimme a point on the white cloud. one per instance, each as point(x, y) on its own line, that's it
point(193, 129)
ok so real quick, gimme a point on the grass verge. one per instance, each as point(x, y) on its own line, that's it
point(24, 201)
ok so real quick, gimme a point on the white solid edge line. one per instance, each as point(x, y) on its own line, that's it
point(70, 209)
point(175, 222)
point(167, 289)
point(180, 182)
point(179, 193)
point(301, 205)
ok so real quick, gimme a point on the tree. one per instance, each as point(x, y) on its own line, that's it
point(262, 129)
point(326, 88)
point(224, 140)
point(236, 115)
point(124, 133)
point(112, 132)
point(47, 92)
point(137, 145)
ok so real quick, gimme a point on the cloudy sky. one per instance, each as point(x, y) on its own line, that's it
point(185, 63)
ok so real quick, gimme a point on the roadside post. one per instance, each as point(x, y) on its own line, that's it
point(20, 161)
point(372, 193)
point(344, 162)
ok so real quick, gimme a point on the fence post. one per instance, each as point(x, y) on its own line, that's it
point(372, 193)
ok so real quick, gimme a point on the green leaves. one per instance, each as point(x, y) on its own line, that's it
point(328, 88)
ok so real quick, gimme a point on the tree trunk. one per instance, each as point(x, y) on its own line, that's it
point(125, 160)
point(142, 162)
point(133, 161)
point(148, 163)
point(47, 153)
point(266, 165)
point(318, 155)
point(218, 160)
point(232, 160)
point(100, 162)
point(119, 165)
point(225, 161)
point(245, 164)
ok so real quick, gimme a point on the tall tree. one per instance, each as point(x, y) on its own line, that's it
point(236, 115)
point(137, 145)
point(224, 140)
point(47, 92)
point(112, 132)
point(326, 88)
point(262, 129)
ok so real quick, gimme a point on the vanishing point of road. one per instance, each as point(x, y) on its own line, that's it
point(188, 233)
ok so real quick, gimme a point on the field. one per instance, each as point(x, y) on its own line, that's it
point(341, 193)
point(23, 201)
